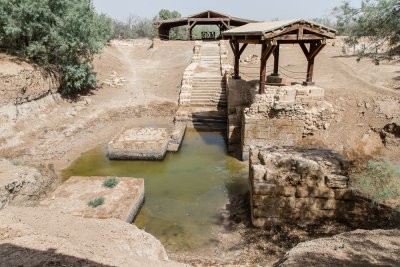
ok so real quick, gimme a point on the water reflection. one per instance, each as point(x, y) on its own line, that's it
point(184, 192)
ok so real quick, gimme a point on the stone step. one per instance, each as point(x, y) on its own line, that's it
point(208, 93)
point(208, 126)
point(208, 105)
point(209, 84)
point(206, 101)
point(209, 90)
point(208, 80)
point(205, 98)
point(209, 87)
point(207, 116)
point(212, 93)
point(213, 80)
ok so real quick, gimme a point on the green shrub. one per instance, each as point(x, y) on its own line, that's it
point(60, 36)
point(97, 202)
point(111, 182)
point(380, 181)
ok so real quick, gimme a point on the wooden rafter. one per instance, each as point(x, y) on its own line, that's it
point(273, 34)
point(298, 29)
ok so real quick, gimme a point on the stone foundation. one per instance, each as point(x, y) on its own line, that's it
point(121, 202)
point(297, 183)
point(281, 116)
point(176, 136)
point(139, 143)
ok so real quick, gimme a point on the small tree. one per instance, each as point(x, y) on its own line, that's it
point(177, 32)
point(378, 20)
point(61, 36)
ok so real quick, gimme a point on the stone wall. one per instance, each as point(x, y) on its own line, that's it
point(239, 95)
point(187, 79)
point(139, 143)
point(281, 116)
point(226, 68)
point(297, 183)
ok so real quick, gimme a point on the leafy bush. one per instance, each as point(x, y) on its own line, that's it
point(97, 202)
point(61, 36)
point(380, 181)
point(111, 182)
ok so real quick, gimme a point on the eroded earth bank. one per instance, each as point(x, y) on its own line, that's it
point(41, 133)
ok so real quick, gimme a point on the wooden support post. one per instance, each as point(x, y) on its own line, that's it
point(310, 72)
point(266, 50)
point(263, 69)
point(315, 48)
point(237, 53)
point(189, 31)
point(237, 58)
point(276, 61)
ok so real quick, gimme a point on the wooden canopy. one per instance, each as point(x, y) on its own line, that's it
point(310, 35)
point(224, 22)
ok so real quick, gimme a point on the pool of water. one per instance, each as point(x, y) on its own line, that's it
point(184, 193)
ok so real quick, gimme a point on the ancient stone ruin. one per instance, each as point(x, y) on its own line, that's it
point(297, 183)
point(122, 201)
point(281, 116)
point(139, 143)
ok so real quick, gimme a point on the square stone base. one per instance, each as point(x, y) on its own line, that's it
point(276, 80)
point(139, 143)
point(121, 202)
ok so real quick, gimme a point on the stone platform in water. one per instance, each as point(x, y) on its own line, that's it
point(176, 138)
point(139, 143)
point(121, 202)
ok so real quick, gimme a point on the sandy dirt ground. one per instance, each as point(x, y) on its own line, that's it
point(366, 97)
point(38, 237)
point(51, 132)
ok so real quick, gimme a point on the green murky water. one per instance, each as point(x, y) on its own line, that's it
point(183, 193)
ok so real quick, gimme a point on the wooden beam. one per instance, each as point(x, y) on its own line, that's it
point(296, 27)
point(300, 33)
point(242, 49)
point(249, 41)
point(271, 35)
point(232, 47)
point(208, 19)
point(304, 48)
point(191, 25)
point(310, 71)
point(266, 53)
point(237, 58)
point(295, 36)
point(266, 50)
point(316, 49)
point(276, 61)
point(318, 31)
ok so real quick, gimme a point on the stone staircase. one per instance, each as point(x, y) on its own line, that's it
point(208, 119)
point(208, 84)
